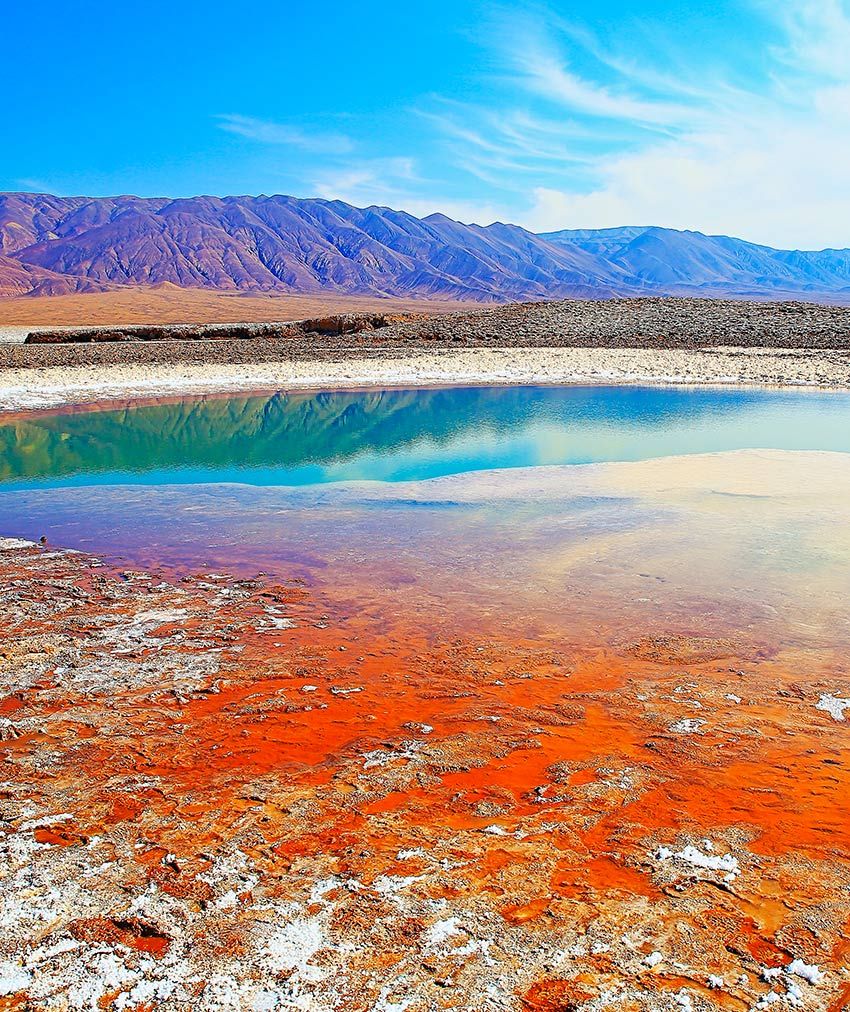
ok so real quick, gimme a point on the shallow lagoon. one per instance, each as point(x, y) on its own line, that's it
point(404, 435)
point(539, 675)
point(470, 504)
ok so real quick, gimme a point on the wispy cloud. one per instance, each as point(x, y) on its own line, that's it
point(578, 127)
point(552, 77)
point(38, 186)
point(817, 36)
point(267, 132)
point(396, 182)
point(621, 141)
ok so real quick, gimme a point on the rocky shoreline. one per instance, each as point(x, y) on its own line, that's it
point(682, 324)
point(245, 792)
point(648, 341)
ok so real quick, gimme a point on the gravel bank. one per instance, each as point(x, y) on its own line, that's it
point(624, 323)
point(630, 340)
point(641, 323)
point(57, 385)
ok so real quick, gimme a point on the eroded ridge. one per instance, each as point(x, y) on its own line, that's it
point(223, 793)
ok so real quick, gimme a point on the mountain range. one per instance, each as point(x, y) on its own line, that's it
point(58, 245)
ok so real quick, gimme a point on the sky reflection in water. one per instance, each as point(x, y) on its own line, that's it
point(147, 486)
point(401, 435)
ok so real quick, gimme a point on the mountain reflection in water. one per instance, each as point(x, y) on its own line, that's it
point(395, 435)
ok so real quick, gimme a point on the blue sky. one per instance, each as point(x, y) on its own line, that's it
point(729, 117)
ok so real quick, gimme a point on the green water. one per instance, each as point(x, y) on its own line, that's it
point(398, 435)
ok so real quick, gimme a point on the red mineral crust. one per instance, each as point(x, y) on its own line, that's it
point(223, 793)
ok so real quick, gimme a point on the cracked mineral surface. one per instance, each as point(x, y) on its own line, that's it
point(424, 747)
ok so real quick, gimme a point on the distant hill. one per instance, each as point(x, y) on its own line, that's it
point(690, 263)
point(59, 245)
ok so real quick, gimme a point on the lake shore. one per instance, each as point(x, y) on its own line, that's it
point(56, 385)
point(248, 776)
point(644, 341)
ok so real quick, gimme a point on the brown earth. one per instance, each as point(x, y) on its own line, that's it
point(218, 782)
point(656, 324)
point(167, 303)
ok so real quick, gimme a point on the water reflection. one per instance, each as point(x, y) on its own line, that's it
point(393, 435)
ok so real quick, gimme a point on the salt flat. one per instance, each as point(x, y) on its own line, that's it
point(52, 386)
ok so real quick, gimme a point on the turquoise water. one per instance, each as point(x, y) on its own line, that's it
point(399, 435)
point(254, 484)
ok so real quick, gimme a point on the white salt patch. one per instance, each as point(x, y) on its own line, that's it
point(389, 885)
point(12, 977)
point(146, 992)
point(281, 623)
point(813, 974)
point(415, 725)
point(144, 623)
point(733, 698)
point(47, 820)
point(695, 857)
point(771, 998)
point(833, 705)
point(794, 994)
point(380, 757)
point(653, 959)
point(227, 901)
point(293, 945)
point(9, 544)
point(440, 931)
point(45, 952)
point(265, 1001)
point(481, 946)
point(715, 982)
point(688, 725)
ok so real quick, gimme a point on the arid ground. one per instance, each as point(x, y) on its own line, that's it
point(433, 774)
point(167, 303)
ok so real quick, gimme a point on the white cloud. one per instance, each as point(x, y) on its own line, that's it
point(767, 162)
point(551, 77)
point(396, 182)
point(817, 36)
point(267, 132)
point(357, 180)
point(784, 184)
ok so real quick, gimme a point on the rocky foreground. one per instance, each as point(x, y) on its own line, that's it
point(223, 794)
point(654, 324)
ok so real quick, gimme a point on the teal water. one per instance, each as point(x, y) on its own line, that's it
point(256, 484)
point(401, 435)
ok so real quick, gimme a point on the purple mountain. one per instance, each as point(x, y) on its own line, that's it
point(57, 245)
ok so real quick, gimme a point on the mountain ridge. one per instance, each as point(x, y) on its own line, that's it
point(279, 244)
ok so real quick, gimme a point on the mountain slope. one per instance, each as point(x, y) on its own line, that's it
point(58, 245)
point(686, 262)
point(288, 245)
